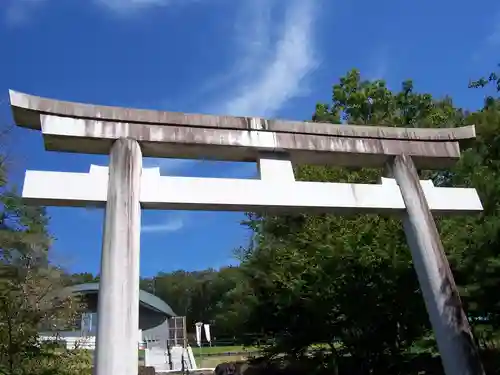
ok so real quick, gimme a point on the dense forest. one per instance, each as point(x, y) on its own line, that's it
point(343, 285)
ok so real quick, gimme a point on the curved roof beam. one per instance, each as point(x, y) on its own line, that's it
point(88, 128)
point(146, 299)
point(26, 109)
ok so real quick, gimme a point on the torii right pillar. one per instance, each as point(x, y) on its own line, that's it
point(459, 352)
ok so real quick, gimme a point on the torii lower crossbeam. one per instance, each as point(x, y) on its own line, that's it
point(247, 195)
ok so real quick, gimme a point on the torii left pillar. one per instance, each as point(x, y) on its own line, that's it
point(118, 303)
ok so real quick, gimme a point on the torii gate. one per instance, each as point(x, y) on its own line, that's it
point(128, 134)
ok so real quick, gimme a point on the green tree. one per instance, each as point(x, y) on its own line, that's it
point(476, 245)
point(30, 287)
point(198, 295)
point(492, 79)
point(328, 278)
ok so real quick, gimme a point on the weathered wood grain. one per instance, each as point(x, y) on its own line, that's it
point(96, 136)
point(118, 303)
point(27, 108)
point(456, 344)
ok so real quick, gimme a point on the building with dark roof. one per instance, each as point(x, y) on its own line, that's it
point(161, 332)
point(154, 315)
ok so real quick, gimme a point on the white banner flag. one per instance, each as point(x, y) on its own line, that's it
point(198, 333)
point(207, 332)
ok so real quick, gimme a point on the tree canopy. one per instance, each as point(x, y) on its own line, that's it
point(30, 286)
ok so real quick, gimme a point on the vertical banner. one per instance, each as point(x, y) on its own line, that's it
point(198, 333)
point(207, 333)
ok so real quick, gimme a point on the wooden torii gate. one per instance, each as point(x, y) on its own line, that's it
point(128, 134)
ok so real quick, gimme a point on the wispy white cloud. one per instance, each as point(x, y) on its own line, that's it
point(491, 42)
point(19, 11)
point(172, 224)
point(125, 6)
point(379, 64)
point(493, 39)
point(275, 58)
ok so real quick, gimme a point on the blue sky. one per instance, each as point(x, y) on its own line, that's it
point(274, 58)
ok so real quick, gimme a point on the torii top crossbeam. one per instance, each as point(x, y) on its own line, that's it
point(88, 128)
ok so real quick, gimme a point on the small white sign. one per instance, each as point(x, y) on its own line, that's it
point(207, 332)
point(198, 333)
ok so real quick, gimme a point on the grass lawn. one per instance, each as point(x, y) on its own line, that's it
point(141, 357)
point(212, 350)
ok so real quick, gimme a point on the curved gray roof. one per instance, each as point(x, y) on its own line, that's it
point(146, 299)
